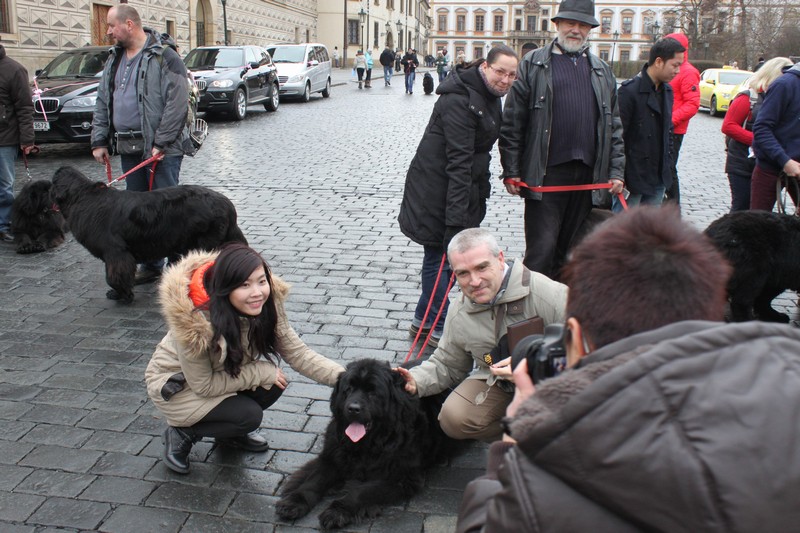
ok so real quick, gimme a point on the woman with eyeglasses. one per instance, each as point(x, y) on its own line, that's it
point(447, 184)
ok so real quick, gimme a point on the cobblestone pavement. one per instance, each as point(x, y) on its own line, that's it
point(318, 188)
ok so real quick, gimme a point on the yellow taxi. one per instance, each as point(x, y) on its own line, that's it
point(718, 86)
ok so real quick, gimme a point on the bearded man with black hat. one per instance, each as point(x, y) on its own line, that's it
point(561, 126)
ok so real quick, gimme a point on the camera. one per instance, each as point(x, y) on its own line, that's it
point(546, 354)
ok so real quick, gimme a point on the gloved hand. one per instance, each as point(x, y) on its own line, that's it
point(449, 233)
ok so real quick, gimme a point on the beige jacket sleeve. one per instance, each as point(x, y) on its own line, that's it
point(208, 383)
point(302, 358)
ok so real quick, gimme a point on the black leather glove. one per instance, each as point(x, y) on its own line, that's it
point(449, 233)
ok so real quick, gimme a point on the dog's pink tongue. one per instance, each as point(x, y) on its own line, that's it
point(355, 431)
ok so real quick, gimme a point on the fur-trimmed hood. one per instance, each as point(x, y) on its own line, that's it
point(190, 326)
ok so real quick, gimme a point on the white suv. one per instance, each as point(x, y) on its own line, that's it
point(302, 69)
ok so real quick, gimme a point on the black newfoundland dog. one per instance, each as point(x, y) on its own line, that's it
point(36, 223)
point(124, 228)
point(764, 250)
point(377, 447)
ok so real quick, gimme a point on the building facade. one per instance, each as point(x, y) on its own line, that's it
point(351, 25)
point(35, 31)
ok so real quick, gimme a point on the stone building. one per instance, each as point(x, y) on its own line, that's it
point(35, 31)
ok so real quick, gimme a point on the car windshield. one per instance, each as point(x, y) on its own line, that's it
point(732, 78)
point(288, 54)
point(81, 64)
point(208, 58)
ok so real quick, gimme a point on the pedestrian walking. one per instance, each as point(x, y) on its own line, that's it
point(560, 86)
point(737, 126)
point(16, 132)
point(776, 139)
point(386, 59)
point(410, 63)
point(370, 63)
point(398, 57)
point(142, 103)
point(335, 56)
point(360, 65)
point(645, 107)
point(686, 93)
point(447, 183)
point(217, 369)
point(441, 63)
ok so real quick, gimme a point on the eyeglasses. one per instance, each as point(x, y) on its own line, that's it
point(503, 74)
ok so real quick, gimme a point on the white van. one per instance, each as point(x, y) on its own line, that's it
point(302, 69)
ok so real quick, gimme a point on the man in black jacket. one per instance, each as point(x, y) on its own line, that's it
point(668, 420)
point(387, 60)
point(410, 63)
point(561, 127)
point(645, 107)
point(16, 132)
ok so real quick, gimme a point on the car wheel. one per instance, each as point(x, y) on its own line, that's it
point(239, 109)
point(712, 109)
point(273, 100)
point(307, 92)
point(326, 92)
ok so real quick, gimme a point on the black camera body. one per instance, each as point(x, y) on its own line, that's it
point(546, 354)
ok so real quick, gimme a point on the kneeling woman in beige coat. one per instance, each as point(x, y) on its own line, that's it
point(217, 368)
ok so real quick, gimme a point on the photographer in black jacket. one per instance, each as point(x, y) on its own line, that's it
point(669, 420)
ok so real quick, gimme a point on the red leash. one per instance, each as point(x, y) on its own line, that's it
point(567, 188)
point(427, 311)
point(155, 159)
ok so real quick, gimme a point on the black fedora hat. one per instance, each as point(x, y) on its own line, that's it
point(580, 10)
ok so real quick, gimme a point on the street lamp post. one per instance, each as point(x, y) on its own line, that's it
point(224, 22)
point(362, 17)
point(614, 49)
point(656, 27)
point(388, 31)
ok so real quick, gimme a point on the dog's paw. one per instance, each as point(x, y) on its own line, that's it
point(30, 248)
point(113, 294)
point(338, 515)
point(292, 507)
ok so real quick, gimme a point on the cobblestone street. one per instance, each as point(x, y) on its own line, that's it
point(317, 187)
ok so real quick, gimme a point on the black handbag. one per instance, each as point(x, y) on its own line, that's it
point(129, 142)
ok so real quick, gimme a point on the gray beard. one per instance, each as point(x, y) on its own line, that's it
point(570, 48)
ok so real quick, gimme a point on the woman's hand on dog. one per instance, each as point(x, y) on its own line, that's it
point(411, 384)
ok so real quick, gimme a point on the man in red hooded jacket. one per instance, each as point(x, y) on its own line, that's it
point(686, 103)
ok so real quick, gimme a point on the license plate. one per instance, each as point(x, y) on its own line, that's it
point(41, 126)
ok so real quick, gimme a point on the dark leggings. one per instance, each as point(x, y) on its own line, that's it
point(238, 415)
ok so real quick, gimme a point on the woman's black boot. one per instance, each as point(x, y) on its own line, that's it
point(177, 445)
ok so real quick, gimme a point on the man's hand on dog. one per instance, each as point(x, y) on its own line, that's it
point(411, 384)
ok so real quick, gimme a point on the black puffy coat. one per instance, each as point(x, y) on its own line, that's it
point(647, 131)
point(688, 428)
point(447, 183)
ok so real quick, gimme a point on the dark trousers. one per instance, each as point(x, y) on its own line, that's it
point(674, 192)
point(740, 191)
point(430, 267)
point(763, 189)
point(238, 415)
point(551, 223)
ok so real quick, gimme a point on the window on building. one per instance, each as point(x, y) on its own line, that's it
point(531, 23)
point(518, 25)
point(5, 17)
point(625, 55)
point(353, 36)
point(461, 23)
point(707, 24)
point(479, 23)
point(604, 55)
point(376, 32)
point(442, 22)
point(545, 22)
point(605, 24)
point(545, 12)
point(647, 23)
point(518, 12)
point(669, 24)
point(627, 23)
point(170, 27)
point(498, 23)
point(477, 52)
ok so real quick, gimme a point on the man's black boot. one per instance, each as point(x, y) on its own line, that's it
point(177, 445)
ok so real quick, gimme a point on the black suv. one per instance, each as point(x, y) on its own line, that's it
point(64, 108)
point(231, 77)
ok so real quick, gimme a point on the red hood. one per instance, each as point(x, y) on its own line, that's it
point(681, 38)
